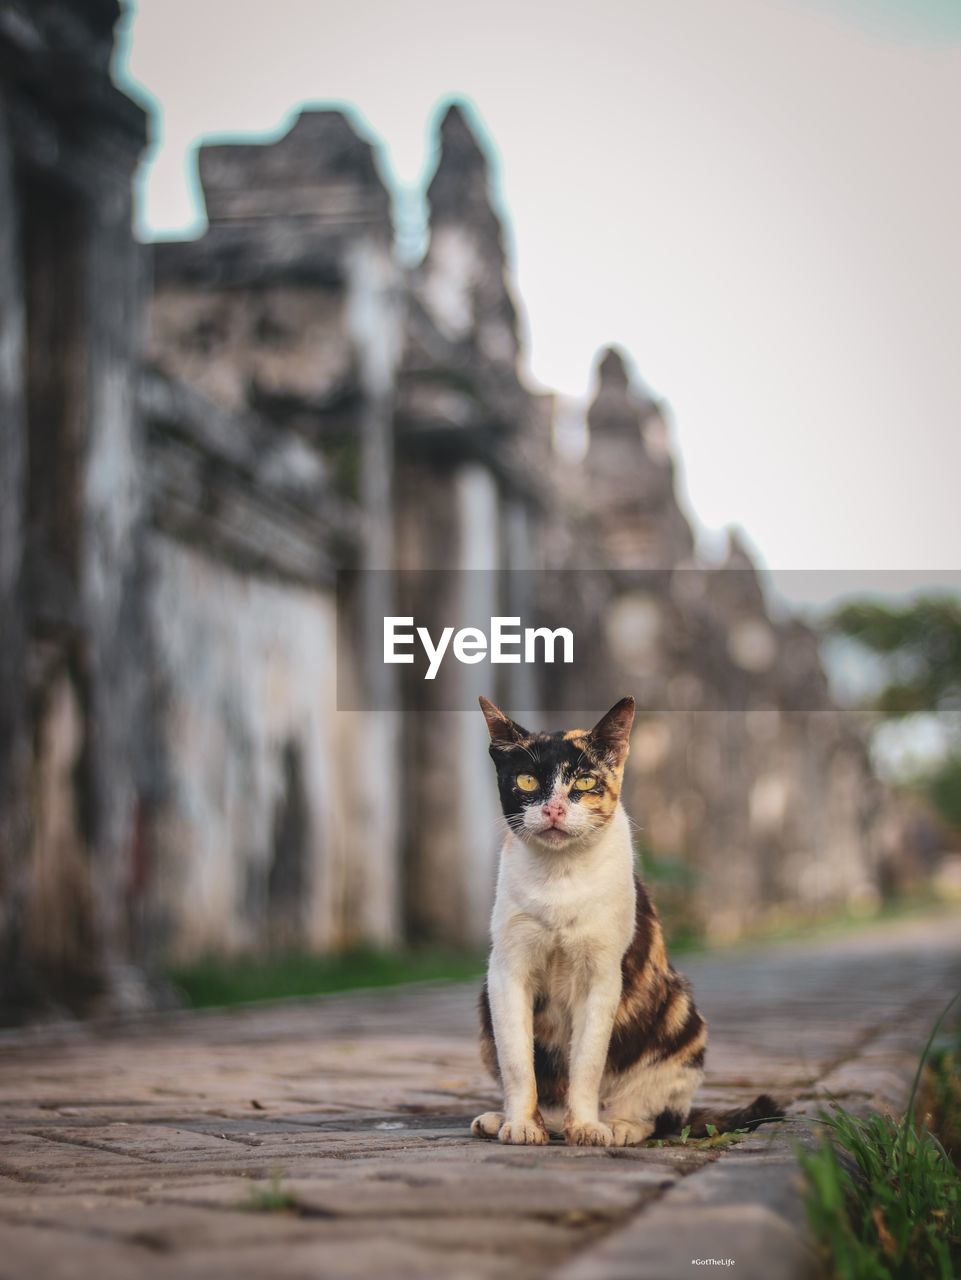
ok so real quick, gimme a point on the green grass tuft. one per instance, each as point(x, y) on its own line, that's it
point(240, 979)
point(273, 1198)
point(883, 1195)
point(884, 1200)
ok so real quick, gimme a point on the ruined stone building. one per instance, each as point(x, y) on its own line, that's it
point(178, 774)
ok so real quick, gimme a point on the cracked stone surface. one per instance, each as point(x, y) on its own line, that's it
point(330, 1137)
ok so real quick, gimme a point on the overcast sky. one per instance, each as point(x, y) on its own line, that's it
point(760, 200)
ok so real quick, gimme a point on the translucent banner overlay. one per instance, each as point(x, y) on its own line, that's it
point(679, 640)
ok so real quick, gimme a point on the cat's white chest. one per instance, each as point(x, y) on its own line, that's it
point(564, 906)
point(562, 915)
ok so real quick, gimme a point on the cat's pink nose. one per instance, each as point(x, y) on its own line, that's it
point(554, 810)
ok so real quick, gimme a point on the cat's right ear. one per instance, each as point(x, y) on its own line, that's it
point(503, 730)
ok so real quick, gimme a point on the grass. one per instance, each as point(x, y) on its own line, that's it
point(239, 979)
point(273, 1198)
point(225, 980)
point(939, 1097)
point(884, 1195)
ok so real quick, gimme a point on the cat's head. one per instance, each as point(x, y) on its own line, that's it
point(559, 790)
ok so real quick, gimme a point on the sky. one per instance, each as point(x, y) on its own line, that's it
point(759, 200)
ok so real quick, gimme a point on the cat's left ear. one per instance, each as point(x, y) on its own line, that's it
point(612, 732)
point(503, 730)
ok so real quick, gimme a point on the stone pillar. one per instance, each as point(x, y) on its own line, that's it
point(69, 571)
point(14, 979)
point(113, 587)
point(374, 322)
point(462, 413)
point(478, 810)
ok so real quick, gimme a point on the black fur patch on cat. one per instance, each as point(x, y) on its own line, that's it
point(668, 1122)
point(550, 1068)
point(763, 1108)
point(488, 1045)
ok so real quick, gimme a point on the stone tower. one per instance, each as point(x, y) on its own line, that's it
point(629, 466)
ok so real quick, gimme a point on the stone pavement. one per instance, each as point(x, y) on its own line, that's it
point(329, 1138)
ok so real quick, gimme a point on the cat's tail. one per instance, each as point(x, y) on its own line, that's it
point(757, 1112)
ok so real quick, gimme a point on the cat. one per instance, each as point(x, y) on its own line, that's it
point(581, 1008)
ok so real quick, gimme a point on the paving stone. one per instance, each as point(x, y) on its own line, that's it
point(144, 1149)
point(159, 1227)
point(33, 1159)
point(31, 1251)
point(744, 1239)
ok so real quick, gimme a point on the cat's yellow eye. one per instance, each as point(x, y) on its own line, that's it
point(527, 782)
point(585, 781)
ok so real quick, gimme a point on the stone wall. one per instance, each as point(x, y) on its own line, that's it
point(249, 836)
point(74, 642)
point(275, 340)
point(251, 830)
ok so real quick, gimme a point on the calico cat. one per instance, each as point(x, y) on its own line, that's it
point(581, 1008)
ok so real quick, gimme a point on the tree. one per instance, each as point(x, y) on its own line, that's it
point(920, 647)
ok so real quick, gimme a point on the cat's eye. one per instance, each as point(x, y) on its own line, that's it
point(585, 781)
point(527, 782)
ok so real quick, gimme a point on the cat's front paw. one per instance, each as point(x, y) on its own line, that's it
point(523, 1133)
point(591, 1133)
point(629, 1133)
point(488, 1125)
